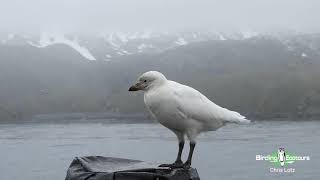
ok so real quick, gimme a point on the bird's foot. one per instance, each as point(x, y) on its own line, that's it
point(177, 164)
point(187, 165)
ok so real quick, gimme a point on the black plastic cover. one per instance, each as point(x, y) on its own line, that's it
point(109, 168)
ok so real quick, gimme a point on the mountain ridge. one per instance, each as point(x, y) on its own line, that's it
point(107, 46)
point(259, 77)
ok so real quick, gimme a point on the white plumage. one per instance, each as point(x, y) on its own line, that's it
point(181, 108)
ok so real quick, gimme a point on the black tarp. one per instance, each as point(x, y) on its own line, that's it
point(109, 168)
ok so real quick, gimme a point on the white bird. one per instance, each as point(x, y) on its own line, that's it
point(183, 110)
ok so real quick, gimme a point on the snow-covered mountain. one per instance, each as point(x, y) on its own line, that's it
point(107, 46)
point(261, 74)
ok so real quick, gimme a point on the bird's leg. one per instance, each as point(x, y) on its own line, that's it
point(178, 163)
point(178, 160)
point(187, 164)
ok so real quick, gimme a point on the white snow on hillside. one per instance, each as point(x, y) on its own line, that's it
point(108, 57)
point(110, 45)
point(221, 37)
point(51, 39)
point(126, 52)
point(112, 41)
point(142, 47)
point(120, 53)
point(123, 37)
point(249, 34)
point(181, 41)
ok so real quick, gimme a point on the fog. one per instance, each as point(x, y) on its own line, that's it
point(159, 15)
point(226, 49)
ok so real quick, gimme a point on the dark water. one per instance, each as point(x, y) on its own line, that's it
point(44, 151)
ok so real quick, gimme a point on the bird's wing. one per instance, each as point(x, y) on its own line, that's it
point(197, 106)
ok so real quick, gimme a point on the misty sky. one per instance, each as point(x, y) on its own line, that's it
point(159, 15)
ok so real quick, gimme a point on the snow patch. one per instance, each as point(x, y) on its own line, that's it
point(120, 53)
point(126, 52)
point(181, 41)
point(249, 34)
point(304, 55)
point(51, 39)
point(111, 40)
point(123, 37)
point(221, 37)
point(290, 48)
point(143, 46)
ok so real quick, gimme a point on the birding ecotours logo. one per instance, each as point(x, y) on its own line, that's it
point(281, 156)
point(281, 159)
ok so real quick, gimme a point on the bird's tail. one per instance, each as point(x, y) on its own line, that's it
point(236, 117)
point(244, 121)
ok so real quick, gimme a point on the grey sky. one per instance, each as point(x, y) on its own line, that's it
point(159, 15)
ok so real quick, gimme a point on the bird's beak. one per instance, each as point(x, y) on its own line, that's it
point(136, 87)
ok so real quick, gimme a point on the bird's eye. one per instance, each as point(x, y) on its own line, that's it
point(145, 81)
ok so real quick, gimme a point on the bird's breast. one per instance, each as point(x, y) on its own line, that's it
point(160, 106)
point(165, 111)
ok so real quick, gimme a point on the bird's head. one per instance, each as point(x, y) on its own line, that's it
point(148, 80)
